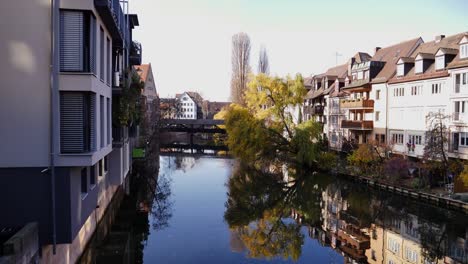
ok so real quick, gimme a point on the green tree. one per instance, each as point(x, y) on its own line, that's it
point(364, 158)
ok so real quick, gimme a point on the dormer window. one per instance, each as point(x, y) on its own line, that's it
point(464, 47)
point(419, 66)
point(464, 51)
point(400, 69)
point(440, 62)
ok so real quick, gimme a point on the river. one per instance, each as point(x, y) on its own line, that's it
point(200, 209)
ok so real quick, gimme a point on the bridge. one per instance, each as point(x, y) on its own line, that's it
point(192, 126)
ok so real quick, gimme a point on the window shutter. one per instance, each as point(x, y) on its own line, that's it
point(71, 41)
point(71, 122)
point(101, 121)
point(101, 55)
point(92, 121)
point(92, 44)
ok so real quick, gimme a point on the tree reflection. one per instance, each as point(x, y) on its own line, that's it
point(259, 203)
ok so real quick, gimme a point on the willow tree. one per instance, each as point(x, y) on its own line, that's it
point(240, 60)
point(259, 133)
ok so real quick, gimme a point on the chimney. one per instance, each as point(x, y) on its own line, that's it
point(438, 38)
point(377, 49)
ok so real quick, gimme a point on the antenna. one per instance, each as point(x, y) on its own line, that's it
point(336, 57)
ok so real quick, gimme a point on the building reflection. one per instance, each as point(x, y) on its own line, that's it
point(395, 235)
point(361, 224)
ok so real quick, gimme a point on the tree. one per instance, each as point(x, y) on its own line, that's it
point(240, 59)
point(263, 62)
point(436, 147)
point(364, 157)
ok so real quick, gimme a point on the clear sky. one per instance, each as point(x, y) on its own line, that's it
point(188, 42)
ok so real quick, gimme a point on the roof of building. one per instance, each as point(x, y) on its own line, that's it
point(142, 70)
point(427, 51)
point(339, 71)
point(196, 97)
point(390, 55)
point(362, 57)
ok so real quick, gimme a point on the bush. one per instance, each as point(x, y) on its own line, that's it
point(396, 168)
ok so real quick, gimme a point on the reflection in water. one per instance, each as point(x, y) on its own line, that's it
point(175, 214)
point(266, 211)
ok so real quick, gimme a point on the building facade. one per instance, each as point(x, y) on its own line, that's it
point(61, 66)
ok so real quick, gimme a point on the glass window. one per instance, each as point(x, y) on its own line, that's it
point(92, 175)
point(440, 62)
point(84, 180)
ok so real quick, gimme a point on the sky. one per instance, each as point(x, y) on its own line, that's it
point(188, 42)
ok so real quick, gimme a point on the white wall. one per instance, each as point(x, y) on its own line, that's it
point(380, 105)
point(407, 114)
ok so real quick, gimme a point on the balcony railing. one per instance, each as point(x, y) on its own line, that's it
point(113, 16)
point(337, 111)
point(313, 109)
point(357, 124)
point(356, 103)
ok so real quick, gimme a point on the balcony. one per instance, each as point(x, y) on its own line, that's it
point(356, 103)
point(313, 110)
point(135, 53)
point(336, 111)
point(357, 124)
point(114, 19)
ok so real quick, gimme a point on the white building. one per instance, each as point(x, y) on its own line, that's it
point(187, 106)
point(421, 86)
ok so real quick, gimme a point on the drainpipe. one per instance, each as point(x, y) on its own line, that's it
point(54, 30)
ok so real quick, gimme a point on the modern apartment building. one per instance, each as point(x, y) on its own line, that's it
point(423, 85)
point(61, 72)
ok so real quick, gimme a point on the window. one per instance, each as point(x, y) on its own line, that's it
point(109, 130)
point(109, 63)
point(101, 54)
point(457, 83)
point(463, 139)
point(101, 163)
point(415, 139)
point(359, 75)
point(397, 92)
point(411, 255)
point(397, 138)
point(393, 245)
point(377, 116)
point(377, 95)
point(92, 175)
point(106, 163)
point(373, 255)
point(84, 181)
point(77, 39)
point(77, 115)
point(101, 121)
point(400, 69)
point(465, 78)
point(419, 66)
point(380, 138)
point(464, 51)
point(366, 75)
point(416, 90)
point(440, 62)
point(436, 88)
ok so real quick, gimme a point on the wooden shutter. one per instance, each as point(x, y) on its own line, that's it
point(71, 122)
point(71, 41)
point(101, 121)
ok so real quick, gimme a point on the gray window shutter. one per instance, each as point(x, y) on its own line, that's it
point(92, 121)
point(101, 122)
point(92, 44)
point(101, 55)
point(71, 41)
point(109, 63)
point(71, 122)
